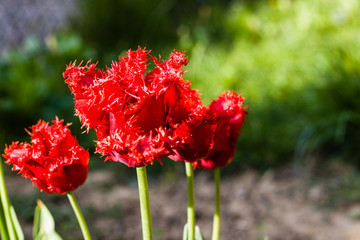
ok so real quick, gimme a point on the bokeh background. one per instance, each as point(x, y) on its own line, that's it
point(297, 63)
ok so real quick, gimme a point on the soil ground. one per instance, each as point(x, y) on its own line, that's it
point(285, 204)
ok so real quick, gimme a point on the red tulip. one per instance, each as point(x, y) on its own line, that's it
point(210, 140)
point(133, 112)
point(53, 160)
point(230, 114)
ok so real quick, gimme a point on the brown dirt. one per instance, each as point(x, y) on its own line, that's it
point(280, 205)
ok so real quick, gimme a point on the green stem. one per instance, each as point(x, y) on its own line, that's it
point(3, 228)
point(79, 216)
point(144, 203)
point(190, 208)
point(216, 220)
point(6, 206)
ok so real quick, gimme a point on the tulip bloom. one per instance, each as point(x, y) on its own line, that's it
point(53, 160)
point(210, 140)
point(134, 113)
point(229, 115)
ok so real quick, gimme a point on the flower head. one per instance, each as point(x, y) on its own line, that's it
point(229, 114)
point(53, 160)
point(134, 113)
point(209, 141)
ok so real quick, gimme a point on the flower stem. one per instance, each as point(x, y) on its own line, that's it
point(79, 216)
point(216, 220)
point(144, 203)
point(10, 233)
point(3, 228)
point(190, 208)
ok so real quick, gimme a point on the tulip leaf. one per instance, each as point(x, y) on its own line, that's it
point(44, 224)
point(198, 234)
point(185, 232)
point(16, 224)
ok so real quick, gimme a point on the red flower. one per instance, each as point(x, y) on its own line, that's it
point(210, 141)
point(54, 161)
point(193, 139)
point(230, 115)
point(133, 113)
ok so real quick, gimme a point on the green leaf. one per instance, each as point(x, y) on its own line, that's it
point(185, 232)
point(16, 224)
point(198, 234)
point(44, 224)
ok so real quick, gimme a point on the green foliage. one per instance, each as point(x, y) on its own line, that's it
point(297, 64)
point(335, 127)
point(198, 234)
point(44, 225)
point(32, 86)
point(18, 230)
point(115, 26)
point(9, 225)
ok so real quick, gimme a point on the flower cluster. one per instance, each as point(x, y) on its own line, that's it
point(142, 115)
point(53, 160)
point(139, 116)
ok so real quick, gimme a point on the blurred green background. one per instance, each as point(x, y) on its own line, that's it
point(296, 62)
